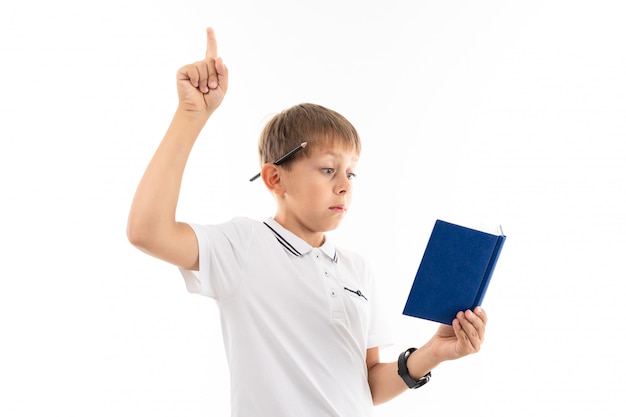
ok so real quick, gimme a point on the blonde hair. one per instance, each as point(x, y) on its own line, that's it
point(318, 126)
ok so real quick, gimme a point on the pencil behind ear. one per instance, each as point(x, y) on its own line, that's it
point(270, 174)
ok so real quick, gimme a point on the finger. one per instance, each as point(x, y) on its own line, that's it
point(189, 72)
point(481, 313)
point(212, 75)
point(222, 73)
point(464, 346)
point(478, 318)
point(211, 44)
point(204, 74)
point(470, 325)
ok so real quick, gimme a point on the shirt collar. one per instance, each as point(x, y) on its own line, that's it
point(297, 246)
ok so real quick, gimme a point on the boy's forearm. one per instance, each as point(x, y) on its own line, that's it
point(386, 384)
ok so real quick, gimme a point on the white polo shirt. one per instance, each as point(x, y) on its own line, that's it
point(296, 320)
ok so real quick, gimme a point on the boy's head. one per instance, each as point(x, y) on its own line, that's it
point(320, 127)
point(316, 192)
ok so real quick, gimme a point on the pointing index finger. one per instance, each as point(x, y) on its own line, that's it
point(211, 44)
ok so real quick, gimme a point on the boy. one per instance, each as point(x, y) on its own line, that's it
point(299, 316)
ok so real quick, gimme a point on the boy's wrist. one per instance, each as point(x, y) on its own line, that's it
point(193, 116)
point(411, 381)
point(421, 362)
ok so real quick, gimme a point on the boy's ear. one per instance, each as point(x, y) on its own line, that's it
point(272, 178)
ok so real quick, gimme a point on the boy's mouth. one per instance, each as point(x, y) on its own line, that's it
point(338, 209)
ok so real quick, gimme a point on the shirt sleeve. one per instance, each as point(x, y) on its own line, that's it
point(378, 333)
point(221, 252)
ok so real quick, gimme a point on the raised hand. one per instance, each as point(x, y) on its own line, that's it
point(203, 84)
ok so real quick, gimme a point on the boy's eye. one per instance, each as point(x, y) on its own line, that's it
point(330, 171)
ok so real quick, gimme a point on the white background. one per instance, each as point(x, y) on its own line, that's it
point(477, 112)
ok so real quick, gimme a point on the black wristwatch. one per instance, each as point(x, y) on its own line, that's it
point(403, 371)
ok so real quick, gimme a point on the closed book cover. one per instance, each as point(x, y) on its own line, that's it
point(454, 272)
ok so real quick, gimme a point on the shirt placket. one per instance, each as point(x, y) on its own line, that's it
point(332, 289)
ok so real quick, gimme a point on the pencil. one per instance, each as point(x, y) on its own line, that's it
point(284, 158)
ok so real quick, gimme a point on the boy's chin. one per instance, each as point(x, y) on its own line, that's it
point(333, 225)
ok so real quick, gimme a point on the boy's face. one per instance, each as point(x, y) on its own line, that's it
point(317, 191)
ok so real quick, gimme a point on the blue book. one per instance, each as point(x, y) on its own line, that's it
point(454, 273)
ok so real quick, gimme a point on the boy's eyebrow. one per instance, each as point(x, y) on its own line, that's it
point(336, 155)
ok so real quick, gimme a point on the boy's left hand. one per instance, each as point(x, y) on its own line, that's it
point(464, 337)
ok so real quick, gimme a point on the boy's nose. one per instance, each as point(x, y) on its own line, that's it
point(343, 185)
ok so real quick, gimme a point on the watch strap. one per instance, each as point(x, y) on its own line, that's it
point(403, 371)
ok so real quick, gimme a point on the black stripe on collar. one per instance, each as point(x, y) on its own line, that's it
point(284, 242)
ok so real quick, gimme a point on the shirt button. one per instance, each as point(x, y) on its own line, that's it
point(333, 293)
point(325, 273)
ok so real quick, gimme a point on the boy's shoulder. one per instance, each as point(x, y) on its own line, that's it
point(239, 228)
point(237, 222)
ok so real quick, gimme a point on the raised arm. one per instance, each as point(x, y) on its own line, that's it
point(152, 225)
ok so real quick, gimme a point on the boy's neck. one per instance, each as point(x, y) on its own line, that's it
point(313, 238)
